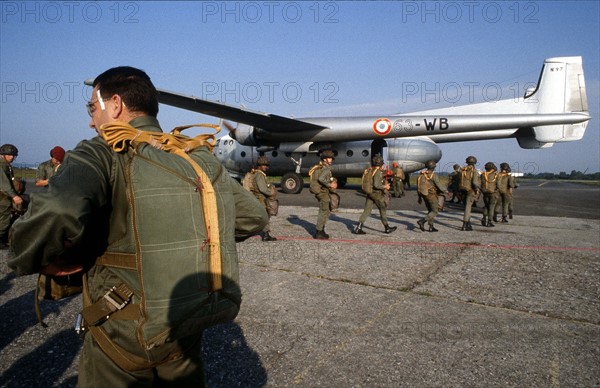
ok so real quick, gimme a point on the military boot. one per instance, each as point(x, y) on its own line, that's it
point(358, 229)
point(484, 220)
point(432, 229)
point(266, 236)
point(421, 223)
point(321, 235)
point(504, 220)
point(496, 218)
point(489, 224)
point(469, 226)
point(510, 214)
point(464, 226)
point(390, 229)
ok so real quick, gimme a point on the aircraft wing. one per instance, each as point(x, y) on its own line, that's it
point(268, 122)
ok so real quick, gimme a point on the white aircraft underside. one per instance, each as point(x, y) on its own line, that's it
point(556, 110)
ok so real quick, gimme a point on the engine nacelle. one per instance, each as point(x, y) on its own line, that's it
point(244, 134)
point(412, 152)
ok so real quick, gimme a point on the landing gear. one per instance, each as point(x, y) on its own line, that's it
point(291, 183)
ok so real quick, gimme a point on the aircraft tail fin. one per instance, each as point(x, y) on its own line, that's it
point(560, 89)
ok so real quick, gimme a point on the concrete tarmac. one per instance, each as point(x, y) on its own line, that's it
point(513, 305)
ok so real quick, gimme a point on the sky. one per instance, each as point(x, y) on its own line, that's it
point(296, 59)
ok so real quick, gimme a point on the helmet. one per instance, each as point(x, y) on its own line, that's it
point(456, 166)
point(9, 149)
point(430, 164)
point(262, 161)
point(504, 166)
point(377, 161)
point(471, 160)
point(327, 154)
point(489, 166)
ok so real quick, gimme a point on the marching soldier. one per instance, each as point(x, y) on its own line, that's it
point(489, 187)
point(512, 183)
point(376, 188)
point(506, 185)
point(453, 181)
point(263, 191)
point(322, 184)
point(397, 180)
point(469, 187)
point(429, 188)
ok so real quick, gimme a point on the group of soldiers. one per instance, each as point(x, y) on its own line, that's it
point(13, 200)
point(465, 184)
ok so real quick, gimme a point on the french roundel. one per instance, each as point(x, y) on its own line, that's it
point(382, 126)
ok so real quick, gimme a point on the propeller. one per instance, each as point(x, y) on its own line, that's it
point(230, 128)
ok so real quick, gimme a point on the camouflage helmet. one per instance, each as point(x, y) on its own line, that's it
point(377, 160)
point(430, 164)
point(327, 154)
point(262, 161)
point(504, 166)
point(471, 160)
point(9, 149)
point(489, 166)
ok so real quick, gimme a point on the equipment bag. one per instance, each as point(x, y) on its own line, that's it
point(52, 286)
point(367, 180)
point(466, 179)
point(248, 181)
point(488, 184)
point(314, 173)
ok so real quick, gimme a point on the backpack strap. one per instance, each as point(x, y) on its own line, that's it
point(120, 136)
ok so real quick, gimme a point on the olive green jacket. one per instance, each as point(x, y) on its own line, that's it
point(45, 171)
point(7, 190)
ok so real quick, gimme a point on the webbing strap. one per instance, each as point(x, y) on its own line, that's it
point(124, 359)
point(118, 260)
point(36, 306)
point(121, 135)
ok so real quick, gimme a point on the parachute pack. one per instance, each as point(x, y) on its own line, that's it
point(367, 180)
point(186, 283)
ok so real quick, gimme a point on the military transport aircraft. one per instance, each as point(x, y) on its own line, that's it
point(556, 110)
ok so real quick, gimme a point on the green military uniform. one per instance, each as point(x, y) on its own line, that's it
point(45, 171)
point(263, 190)
point(376, 188)
point(88, 206)
point(376, 197)
point(469, 186)
point(7, 193)
point(453, 181)
point(398, 181)
point(430, 187)
point(506, 185)
point(489, 187)
point(321, 185)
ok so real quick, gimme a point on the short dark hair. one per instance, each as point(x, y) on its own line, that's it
point(133, 85)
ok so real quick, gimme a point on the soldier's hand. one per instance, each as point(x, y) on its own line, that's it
point(17, 200)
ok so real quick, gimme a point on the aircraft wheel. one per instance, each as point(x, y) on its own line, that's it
point(291, 183)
